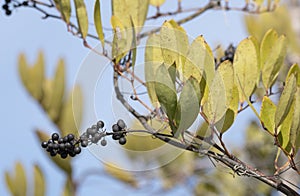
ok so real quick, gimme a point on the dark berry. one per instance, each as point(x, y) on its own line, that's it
point(121, 124)
point(50, 141)
point(55, 136)
point(100, 124)
point(77, 150)
point(7, 1)
point(116, 136)
point(72, 154)
point(94, 127)
point(91, 131)
point(50, 145)
point(84, 143)
point(122, 140)
point(60, 140)
point(55, 146)
point(66, 139)
point(70, 137)
point(63, 155)
point(116, 128)
point(222, 59)
point(53, 153)
point(25, 3)
point(68, 145)
point(103, 142)
point(44, 144)
point(8, 12)
point(5, 6)
point(61, 146)
point(94, 140)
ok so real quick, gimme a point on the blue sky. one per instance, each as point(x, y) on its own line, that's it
point(26, 32)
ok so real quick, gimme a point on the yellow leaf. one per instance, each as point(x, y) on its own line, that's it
point(39, 181)
point(82, 18)
point(122, 175)
point(98, 21)
point(267, 114)
point(157, 3)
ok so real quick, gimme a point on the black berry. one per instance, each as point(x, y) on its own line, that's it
point(60, 140)
point(115, 128)
point(77, 150)
point(122, 140)
point(121, 124)
point(25, 3)
point(84, 143)
point(63, 155)
point(8, 12)
point(100, 124)
point(116, 136)
point(70, 137)
point(5, 6)
point(7, 1)
point(103, 143)
point(44, 144)
point(91, 131)
point(55, 136)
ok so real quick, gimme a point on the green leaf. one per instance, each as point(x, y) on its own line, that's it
point(133, 45)
point(153, 59)
point(33, 77)
point(98, 21)
point(188, 106)
point(166, 93)
point(157, 3)
point(285, 100)
point(246, 68)
point(71, 114)
point(39, 181)
point(199, 61)
point(174, 44)
point(20, 179)
point(285, 129)
point(63, 164)
point(273, 51)
point(82, 18)
point(267, 114)
point(295, 127)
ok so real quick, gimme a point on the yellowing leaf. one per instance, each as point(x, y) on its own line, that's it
point(65, 8)
point(98, 22)
point(20, 179)
point(285, 100)
point(63, 164)
point(267, 114)
point(68, 188)
point(157, 3)
point(246, 68)
point(296, 71)
point(10, 184)
point(174, 44)
point(122, 40)
point(188, 106)
point(122, 175)
point(71, 114)
point(33, 77)
point(126, 9)
point(153, 59)
point(39, 181)
point(199, 61)
point(53, 94)
point(273, 51)
point(82, 18)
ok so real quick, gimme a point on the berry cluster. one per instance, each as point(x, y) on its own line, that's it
point(119, 132)
point(63, 146)
point(228, 54)
point(69, 145)
point(93, 135)
point(6, 7)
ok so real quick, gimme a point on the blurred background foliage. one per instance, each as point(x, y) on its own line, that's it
point(212, 179)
